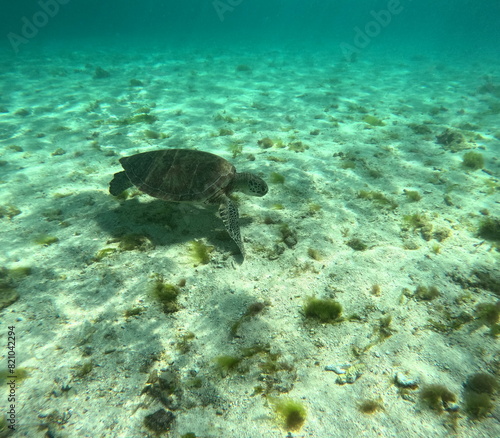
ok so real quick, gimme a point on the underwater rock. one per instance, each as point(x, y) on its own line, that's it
point(136, 83)
point(489, 88)
point(289, 236)
point(23, 112)
point(351, 374)
point(58, 151)
point(406, 379)
point(453, 141)
point(420, 129)
point(265, 143)
point(160, 421)
point(298, 146)
point(100, 73)
point(243, 67)
point(339, 368)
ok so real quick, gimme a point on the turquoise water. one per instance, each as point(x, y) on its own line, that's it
point(461, 26)
point(375, 127)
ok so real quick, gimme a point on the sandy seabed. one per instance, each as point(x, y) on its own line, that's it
point(369, 203)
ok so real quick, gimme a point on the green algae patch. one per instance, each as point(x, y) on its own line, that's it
point(489, 229)
point(165, 294)
point(8, 296)
point(19, 374)
point(103, 253)
point(235, 148)
point(276, 178)
point(46, 240)
point(473, 160)
point(20, 272)
point(9, 211)
point(138, 118)
point(378, 198)
point(290, 414)
point(227, 364)
point(199, 252)
point(437, 397)
point(373, 121)
point(323, 310)
point(8, 281)
point(357, 244)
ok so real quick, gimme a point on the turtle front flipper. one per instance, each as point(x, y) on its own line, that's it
point(119, 183)
point(229, 214)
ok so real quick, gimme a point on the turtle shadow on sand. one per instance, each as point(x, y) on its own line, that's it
point(166, 223)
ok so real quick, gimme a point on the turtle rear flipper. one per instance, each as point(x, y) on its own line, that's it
point(229, 215)
point(119, 183)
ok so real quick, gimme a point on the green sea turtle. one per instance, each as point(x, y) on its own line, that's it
point(184, 175)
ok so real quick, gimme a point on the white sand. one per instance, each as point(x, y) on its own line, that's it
point(71, 309)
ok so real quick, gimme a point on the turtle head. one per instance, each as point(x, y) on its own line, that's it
point(250, 184)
